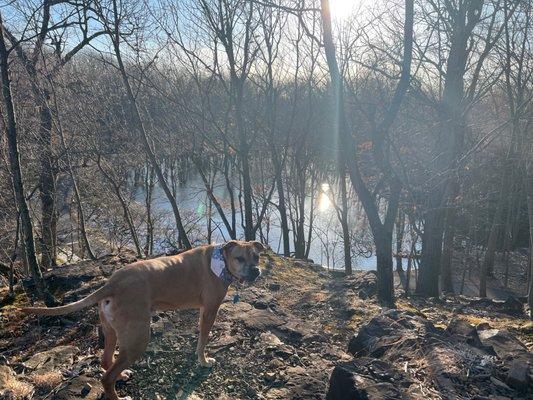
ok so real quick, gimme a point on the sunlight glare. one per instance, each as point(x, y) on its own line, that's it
point(342, 9)
point(324, 202)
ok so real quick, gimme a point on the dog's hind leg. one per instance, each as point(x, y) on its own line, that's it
point(110, 337)
point(133, 338)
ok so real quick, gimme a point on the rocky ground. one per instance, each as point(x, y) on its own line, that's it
point(299, 333)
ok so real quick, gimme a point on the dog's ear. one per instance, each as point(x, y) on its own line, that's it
point(230, 245)
point(260, 247)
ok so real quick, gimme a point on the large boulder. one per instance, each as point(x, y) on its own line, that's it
point(504, 344)
point(366, 379)
point(389, 329)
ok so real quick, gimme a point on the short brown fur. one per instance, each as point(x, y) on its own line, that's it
point(184, 281)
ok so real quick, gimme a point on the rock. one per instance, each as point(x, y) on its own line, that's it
point(225, 341)
point(354, 380)
point(503, 343)
point(260, 304)
point(269, 340)
point(482, 326)
point(260, 320)
point(388, 329)
point(517, 375)
point(499, 383)
point(513, 306)
point(274, 286)
point(53, 359)
point(464, 330)
point(366, 285)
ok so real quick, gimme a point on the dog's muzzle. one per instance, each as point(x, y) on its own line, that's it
point(254, 273)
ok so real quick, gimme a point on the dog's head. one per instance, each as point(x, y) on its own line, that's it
point(242, 259)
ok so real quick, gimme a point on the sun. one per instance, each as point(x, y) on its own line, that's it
point(342, 9)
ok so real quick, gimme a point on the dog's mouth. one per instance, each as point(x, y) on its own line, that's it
point(252, 275)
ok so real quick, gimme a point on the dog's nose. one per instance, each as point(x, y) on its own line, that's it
point(254, 273)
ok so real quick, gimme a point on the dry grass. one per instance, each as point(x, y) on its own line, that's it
point(16, 390)
point(47, 381)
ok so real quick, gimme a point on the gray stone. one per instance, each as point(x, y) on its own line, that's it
point(53, 359)
point(81, 388)
point(355, 380)
point(517, 375)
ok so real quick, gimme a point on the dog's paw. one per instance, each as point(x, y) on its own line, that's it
point(207, 363)
point(125, 398)
point(125, 375)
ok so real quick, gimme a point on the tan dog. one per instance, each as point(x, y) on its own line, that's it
point(184, 281)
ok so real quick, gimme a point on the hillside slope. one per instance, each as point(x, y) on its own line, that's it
point(281, 340)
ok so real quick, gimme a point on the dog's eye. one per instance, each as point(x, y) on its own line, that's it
point(240, 259)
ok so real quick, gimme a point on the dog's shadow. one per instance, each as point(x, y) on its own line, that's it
point(185, 386)
point(188, 377)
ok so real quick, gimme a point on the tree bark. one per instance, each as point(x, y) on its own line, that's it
point(18, 183)
point(47, 181)
point(75, 187)
point(138, 122)
point(529, 189)
point(451, 131)
point(400, 227)
point(447, 251)
point(125, 208)
point(382, 231)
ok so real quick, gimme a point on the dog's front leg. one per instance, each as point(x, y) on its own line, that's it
point(207, 318)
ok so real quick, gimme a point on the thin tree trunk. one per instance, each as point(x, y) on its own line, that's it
point(529, 194)
point(75, 186)
point(400, 227)
point(494, 234)
point(382, 231)
point(138, 122)
point(18, 183)
point(47, 180)
point(125, 208)
point(449, 145)
point(448, 241)
point(149, 188)
point(344, 223)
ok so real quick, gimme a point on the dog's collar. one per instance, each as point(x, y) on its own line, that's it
point(218, 265)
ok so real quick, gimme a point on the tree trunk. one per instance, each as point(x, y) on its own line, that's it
point(18, 183)
point(115, 37)
point(344, 223)
point(125, 209)
point(47, 180)
point(382, 231)
point(487, 268)
point(244, 152)
point(448, 241)
point(79, 205)
point(149, 188)
point(448, 146)
point(400, 227)
point(529, 194)
point(428, 277)
point(282, 207)
point(383, 243)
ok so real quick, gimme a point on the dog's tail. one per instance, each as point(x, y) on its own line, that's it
point(93, 298)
